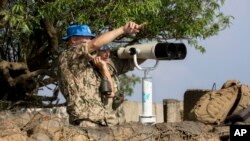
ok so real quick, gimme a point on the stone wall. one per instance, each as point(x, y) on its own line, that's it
point(168, 111)
point(50, 125)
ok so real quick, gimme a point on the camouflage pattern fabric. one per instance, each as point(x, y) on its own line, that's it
point(244, 98)
point(214, 106)
point(79, 82)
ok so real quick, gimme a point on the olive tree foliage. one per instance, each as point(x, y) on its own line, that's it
point(31, 32)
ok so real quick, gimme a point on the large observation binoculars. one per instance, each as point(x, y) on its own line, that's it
point(158, 51)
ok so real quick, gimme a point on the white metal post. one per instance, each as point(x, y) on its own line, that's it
point(147, 116)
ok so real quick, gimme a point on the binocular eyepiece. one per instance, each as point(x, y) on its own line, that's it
point(158, 51)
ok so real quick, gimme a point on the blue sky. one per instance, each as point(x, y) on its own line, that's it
point(227, 57)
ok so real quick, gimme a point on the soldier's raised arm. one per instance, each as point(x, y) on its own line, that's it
point(105, 38)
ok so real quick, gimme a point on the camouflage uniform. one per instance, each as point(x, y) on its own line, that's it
point(79, 82)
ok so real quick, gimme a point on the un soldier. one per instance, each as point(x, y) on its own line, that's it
point(88, 76)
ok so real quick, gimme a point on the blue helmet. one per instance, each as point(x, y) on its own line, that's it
point(78, 30)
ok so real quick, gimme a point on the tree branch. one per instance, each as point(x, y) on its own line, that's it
point(2, 4)
point(2, 15)
point(26, 76)
point(6, 67)
point(52, 34)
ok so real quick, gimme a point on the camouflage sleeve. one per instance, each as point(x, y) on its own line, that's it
point(76, 55)
point(70, 62)
point(81, 53)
